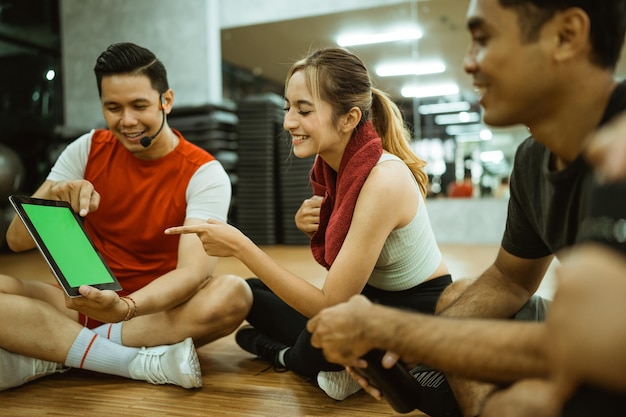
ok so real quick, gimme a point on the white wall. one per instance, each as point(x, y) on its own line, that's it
point(468, 220)
point(235, 13)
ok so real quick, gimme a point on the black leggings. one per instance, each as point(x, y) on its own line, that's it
point(273, 317)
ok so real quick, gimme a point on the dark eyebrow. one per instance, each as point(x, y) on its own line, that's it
point(137, 101)
point(141, 101)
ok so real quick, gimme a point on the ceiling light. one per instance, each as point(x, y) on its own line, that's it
point(361, 39)
point(492, 156)
point(430, 91)
point(486, 134)
point(413, 68)
point(444, 107)
point(456, 130)
point(467, 138)
point(456, 118)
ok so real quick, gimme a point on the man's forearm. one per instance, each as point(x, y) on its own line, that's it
point(498, 351)
point(17, 237)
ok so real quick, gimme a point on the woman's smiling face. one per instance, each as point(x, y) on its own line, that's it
point(309, 121)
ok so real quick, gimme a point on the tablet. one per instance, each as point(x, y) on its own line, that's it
point(61, 237)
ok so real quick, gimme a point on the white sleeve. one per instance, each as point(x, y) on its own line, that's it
point(71, 163)
point(209, 192)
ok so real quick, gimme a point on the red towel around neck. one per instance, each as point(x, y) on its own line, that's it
point(341, 190)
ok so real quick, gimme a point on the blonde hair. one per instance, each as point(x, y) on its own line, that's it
point(340, 78)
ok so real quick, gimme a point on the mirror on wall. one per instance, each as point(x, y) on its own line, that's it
point(422, 70)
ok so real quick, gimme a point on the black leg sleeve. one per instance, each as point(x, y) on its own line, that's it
point(272, 316)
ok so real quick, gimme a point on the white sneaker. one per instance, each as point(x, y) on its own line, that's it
point(338, 385)
point(169, 364)
point(18, 369)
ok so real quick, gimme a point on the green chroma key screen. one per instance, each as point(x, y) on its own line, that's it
point(67, 243)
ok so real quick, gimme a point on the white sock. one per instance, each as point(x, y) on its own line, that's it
point(111, 331)
point(96, 353)
point(338, 385)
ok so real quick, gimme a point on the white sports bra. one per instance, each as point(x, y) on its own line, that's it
point(410, 254)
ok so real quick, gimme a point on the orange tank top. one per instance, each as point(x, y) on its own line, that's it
point(139, 200)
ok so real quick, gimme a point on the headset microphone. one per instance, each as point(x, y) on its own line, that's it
point(147, 140)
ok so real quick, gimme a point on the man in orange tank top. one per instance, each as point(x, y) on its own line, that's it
point(129, 183)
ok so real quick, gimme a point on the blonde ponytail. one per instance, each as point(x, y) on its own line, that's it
point(389, 124)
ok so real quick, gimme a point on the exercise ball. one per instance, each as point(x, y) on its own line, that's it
point(6, 216)
point(11, 173)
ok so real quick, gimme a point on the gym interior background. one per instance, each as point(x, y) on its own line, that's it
point(226, 61)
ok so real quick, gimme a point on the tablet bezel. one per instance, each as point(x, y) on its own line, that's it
point(17, 202)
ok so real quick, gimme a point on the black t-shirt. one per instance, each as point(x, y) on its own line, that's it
point(546, 208)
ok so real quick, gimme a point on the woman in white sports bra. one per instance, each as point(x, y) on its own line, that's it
point(367, 221)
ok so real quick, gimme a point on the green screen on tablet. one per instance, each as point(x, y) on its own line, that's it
point(62, 239)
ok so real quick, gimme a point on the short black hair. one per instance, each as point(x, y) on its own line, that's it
point(128, 58)
point(608, 23)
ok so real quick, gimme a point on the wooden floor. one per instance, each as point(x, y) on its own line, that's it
point(234, 383)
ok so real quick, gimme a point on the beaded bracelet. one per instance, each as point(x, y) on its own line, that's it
point(132, 312)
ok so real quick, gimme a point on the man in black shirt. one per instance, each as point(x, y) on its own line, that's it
point(547, 64)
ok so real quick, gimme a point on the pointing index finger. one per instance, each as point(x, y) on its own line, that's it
point(179, 230)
